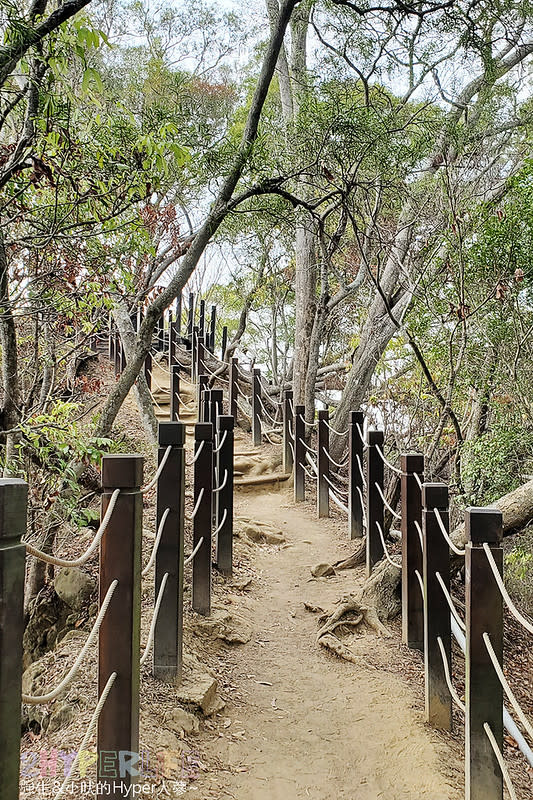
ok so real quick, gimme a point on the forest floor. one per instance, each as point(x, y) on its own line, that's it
point(291, 720)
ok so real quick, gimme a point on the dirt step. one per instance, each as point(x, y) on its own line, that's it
point(263, 480)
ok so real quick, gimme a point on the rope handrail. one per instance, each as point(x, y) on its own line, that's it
point(270, 417)
point(243, 412)
point(507, 689)
point(192, 555)
point(155, 548)
point(420, 583)
point(151, 632)
point(78, 562)
point(385, 549)
point(197, 504)
point(455, 697)
point(157, 384)
point(311, 463)
point(240, 391)
point(361, 433)
point(73, 671)
point(420, 534)
point(309, 449)
point(338, 502)
point(159, 470)
point(418, 479)
point(189, 405)
point(292, 448)
point(386, 462)
point(224, 482)
point(308, 424)
point(450, 602)
point(499, 758)
point(267, 436)
point(309, 474)
point(361, 498)
point(221, 444)
point(508, 602)
point(94, 719)
point(197, 454)
point(221, 525)
point(361, 470)
point(338, 433)
point(332, 460)
point(444, 532)
point(335, 488)
point(385, 503)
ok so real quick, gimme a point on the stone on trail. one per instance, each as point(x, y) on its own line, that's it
point(322, 571)
point(199, 688)
point(74, 587)
point(259, 532)
point(180, 720)
point(229, 628)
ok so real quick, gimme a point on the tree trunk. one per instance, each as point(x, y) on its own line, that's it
point(10, 378)
point(305, 291)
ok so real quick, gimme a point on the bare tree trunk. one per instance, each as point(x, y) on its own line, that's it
point(305, 294)
point(10, 378)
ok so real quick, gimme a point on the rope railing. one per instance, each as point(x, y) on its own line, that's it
point(155, 548)
point(218, 489)
point(221, 523)
point(335, 488)
point(385, 502)
point(221, 443)
point(385, 548)
point(386, 462)
point(197, 505)
point(337, 433)
point(158, 472)
point(338, 502)
point(78, 562)
point(501, 762)
point(420, 534)
point(444, 532)
point(190, 558)
point(311, 463)
point(272, 419)
point(450, 602)
point(73, 671)
point(507, 689)
point(309, 474)
point(455, 697)
point(309, 449)
point(332, 460)
point(361, 470)
point(155, 616)
point(361, 434)
point(196, 455)
point(508, 602)
point(90, 729)
point(362, 500)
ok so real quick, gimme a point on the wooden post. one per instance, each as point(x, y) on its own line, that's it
point(119, 642)
point(194, 374)
point(13, 504)
point(168, 639)
point(202, 523)
point(190, 322)
point(323, 465)
point(224, 343)
point(203, 381)
point(412, 556)
point(217, 400)
point(178, 315)
point(483, 690)
point(257, 436)
point(171, 340)
point(200, 357)
point(374, 503)
point(233, 391)
point(212, 327)
point(148, 365)
point(161, 334)
point(224, 497)
point(288, 438)
point(174, 393)
point(436, 609)
point(356, 486)
point(299, 453)
point(201, 322)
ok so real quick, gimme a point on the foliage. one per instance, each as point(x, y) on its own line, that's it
point(496, 462)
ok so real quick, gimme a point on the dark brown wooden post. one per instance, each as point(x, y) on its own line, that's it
point(224, 343)
point(174, 393)
point(202, 523)
point(13, 504)
point(356, 487)
point(201, 322)
point(212, 327)
point(171, 340)
point(288, 438)
point(216, 399)
point(483, 690)
point(179, 304)
point(194, 346)
point(436, 609)
point(374, 503)
point(119, 638)
point(299, 453)
point(412, 557)
point(200, 357)
point(257, 436)
point(148, 366)
point(190, 322)
point(168, 639)
point(323, 465)
point(233, 391)
point(224, 497)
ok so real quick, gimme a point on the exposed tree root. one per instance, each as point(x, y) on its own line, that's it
point(355, 560)
point(349, 614)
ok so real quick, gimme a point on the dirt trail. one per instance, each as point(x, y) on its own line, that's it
point(323, 728)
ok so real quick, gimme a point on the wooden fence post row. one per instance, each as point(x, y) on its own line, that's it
point(299, 453)
point(257, 437)
point(224, 494)
point(323, 465)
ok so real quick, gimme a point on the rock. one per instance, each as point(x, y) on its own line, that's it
point(181, 720)
point(322, 571)
point(199, 688)
point(47, 617)
point(260, 532)
point(61, 717)
point(229, 628)
point(74, 587)
point(30, 676)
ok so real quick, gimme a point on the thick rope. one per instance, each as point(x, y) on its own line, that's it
point(192, 555)
point(309, 449)
point(338, 502)
point(332, 460)
point(385, 503)
point(309, 474)
point(450, 602)
point(444, 532)
point(499, 758)
point(387, 463)
point(224, 482)
point(385, 550)
point(311, 463)
point(362, 499)
point(455, 697)
point(221, 525)
point(198, 501)
point(221, 445)
point(159, 470)
point(507, 689)
point(155, 616)
point(150, 564)
point(78, 562)
point(508, 602)
point(338, 433)
point(73, 671)
point(92, 724)
point(335, 488)
point(197, 454)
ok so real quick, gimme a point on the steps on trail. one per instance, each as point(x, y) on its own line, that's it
point(268, 479)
